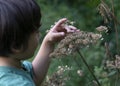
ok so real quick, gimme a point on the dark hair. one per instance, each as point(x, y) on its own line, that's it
point(18, 19)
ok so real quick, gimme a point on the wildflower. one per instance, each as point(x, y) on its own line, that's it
point(57, 78)
point(117, 61)
point(80, 72)
point(68, 22)
point(105, 12)
point(75, 41)
point(110, 64)
point(102, 28)
point(114, 63)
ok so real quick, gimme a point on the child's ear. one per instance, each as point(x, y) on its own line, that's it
point(17, 50)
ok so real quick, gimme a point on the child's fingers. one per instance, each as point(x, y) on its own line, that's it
point(71, 29)
point(59, 23)
point(68, 30)
point(60, 34)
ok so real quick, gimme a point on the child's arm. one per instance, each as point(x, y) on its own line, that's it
point(42, 60)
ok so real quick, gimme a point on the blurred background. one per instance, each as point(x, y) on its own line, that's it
point(71, 71)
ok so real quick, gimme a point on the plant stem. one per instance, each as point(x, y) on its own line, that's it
point(88, 67)
point(115, 26)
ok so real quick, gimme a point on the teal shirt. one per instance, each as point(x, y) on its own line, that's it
point(10, 76)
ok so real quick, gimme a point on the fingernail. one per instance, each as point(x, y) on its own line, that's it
point(65, 18)
point(78, 30)
point(62, 33)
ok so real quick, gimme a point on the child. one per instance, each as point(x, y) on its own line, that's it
point(19, 36)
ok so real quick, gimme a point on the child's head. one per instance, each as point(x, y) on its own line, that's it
point(18, 19)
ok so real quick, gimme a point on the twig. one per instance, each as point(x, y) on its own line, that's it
point(88, 67)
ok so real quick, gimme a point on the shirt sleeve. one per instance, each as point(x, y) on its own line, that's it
point(28, 67)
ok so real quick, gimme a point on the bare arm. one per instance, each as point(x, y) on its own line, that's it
point(41, 62)
point(42, 59)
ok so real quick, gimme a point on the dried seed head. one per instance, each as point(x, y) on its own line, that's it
point(102, 28)
point(96, 36)
point(68, 22)
point(75, 41)
point(110, 64)
point(57, 78)
point(105, 12)
point(114, 63)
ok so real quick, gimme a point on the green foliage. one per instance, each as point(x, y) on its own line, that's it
point(86, 16)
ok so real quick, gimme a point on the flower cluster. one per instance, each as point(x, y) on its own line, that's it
point(102, 29)
point(105, 12)
point(75, 41)
point(113, 64)
point(57, 79)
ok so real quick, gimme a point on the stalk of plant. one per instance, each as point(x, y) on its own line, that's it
point(74, 42)
point(82, 57)
point(117, 42)
point(108, 14)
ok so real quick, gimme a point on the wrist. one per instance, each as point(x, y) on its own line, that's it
point(48, 41)
point(49, 44)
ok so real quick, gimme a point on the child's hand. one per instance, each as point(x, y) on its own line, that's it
point(55, 34)
point(58, 31)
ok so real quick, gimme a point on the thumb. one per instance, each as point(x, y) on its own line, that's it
point(59, 34)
